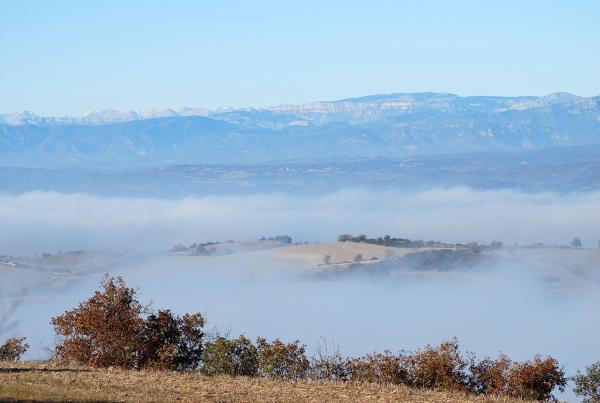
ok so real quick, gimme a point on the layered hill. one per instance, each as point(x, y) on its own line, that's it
point(563, 169)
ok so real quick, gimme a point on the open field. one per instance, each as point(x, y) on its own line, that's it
point(46, 382)
point(340, 252)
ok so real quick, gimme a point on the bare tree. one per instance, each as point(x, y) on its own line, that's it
point(327, 364)
point(6, 312)
point(576, 242)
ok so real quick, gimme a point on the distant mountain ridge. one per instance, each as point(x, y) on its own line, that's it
point(379, 126)
point(107, 116)
point(396, 102)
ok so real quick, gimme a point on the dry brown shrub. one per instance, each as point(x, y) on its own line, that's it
point(536, 379)
point(109, 329)
point(385, 368)
point(441, 367)
point(279, 360)
point(490, 377)
point(13, 349)
point(103, 331)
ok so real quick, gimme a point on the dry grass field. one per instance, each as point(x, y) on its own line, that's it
point(340, 252)
point(48, 382)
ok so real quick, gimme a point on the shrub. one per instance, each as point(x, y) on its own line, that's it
point(379, 368)
point(104, 330)
point(13, 349)
point(489, 377)
point(282, 361)
point(109, 329)
point(441, 367)
point(358, 258)
point(588, 385)
point(172, 342)
point(230, 357)
point(344, 238)
point(536, 379)
point(327, 366)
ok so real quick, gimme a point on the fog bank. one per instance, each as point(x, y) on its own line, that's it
point(37, 222)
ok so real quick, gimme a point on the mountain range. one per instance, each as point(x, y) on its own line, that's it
point(388, 126)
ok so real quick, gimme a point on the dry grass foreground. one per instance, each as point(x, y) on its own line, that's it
point(31, 381)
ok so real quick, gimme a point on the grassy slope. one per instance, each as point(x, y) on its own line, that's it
point(38, 381)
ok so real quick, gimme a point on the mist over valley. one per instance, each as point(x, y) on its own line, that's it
point(384, 222)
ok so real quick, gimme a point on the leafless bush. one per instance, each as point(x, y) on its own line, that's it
point(6, 312)
point(327, 364)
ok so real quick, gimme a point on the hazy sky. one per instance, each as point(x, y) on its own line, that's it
point(69, 57)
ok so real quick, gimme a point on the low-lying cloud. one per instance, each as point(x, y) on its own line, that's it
point(38, 222)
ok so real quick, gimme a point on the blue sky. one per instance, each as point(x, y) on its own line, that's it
point(69, 57)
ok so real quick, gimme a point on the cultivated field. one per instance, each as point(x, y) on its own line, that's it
point(47, 382)
point(339, 252)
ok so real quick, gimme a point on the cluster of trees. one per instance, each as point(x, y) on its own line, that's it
point(112, 329)
point(218, 248)
point(389, 241)
point(409, 243)
point(284, 239)
point(198, 249)
point(575, 243)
